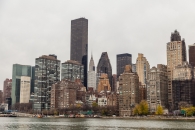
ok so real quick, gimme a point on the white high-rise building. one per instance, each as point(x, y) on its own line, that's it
point(91, 78)
point(25, 89)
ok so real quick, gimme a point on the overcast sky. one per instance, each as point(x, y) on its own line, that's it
point(31, 28)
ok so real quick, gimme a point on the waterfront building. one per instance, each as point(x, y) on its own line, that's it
point(157, 88)
point(102, 101)
point(112, 99)
point(192, 55)
point(66, 90)
point(90, 99)
point(142, 68)
point(7, 88)
point(183, 85)
point(47, 72)
point(128, 91)
point(72, 70)
point(122, 60)
point(17, 72)
point(104, 66)
point(79, 43)
point(91, 75)
point(104, 84)
point(25, 86)
point(176, 55)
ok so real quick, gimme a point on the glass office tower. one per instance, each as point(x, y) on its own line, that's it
point(17, 72)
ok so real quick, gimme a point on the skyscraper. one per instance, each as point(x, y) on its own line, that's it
point(79, 43)
point(192, 55)
point(122, 60)
point(17, 72)
point(142, 68)
point(157, 88)
point(104, 66)
point(128, 91)
point(176, 55)
point(91, 75)
point(47, 72)
point(72, 70)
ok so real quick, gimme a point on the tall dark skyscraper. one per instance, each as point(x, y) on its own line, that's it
point(122, 60)
point(104, 66)
point(79, 43)
point(192, 55)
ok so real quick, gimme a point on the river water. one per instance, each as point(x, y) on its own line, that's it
point(11, 123)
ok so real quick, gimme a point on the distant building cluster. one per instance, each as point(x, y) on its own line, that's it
point(51, 84)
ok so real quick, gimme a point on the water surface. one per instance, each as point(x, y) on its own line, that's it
point(11, 123)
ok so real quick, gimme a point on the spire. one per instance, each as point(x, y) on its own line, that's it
point(91, 64)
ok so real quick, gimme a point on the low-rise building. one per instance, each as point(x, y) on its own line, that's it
point(102, 101)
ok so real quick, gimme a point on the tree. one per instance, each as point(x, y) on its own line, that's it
point(136, 110)
point(159, 110)
point(189, 111)
point(143, 106)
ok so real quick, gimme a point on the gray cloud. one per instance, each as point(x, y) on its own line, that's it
point(29, 29)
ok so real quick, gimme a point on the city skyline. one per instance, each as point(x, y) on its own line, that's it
point(127, 27)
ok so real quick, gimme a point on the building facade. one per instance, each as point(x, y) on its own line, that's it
point(17, 72)
point(79, 43)
point(112, 99)
point(104, 84)
point(121, 61)
point(47, 72)
point(157, 88)
point(183, 85)
point(142, 68)
point(128, 91)
point(7, 88)
point(1, 97)
point(63, 94)
point(192, 55)
point(72, 70)
point(105, 67)
point(134, 68)
point(102, 101)
point(176, 55)
point(91, 75)
point(25, 88)
point(114, 82)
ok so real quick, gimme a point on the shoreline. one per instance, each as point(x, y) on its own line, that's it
point(174, 118)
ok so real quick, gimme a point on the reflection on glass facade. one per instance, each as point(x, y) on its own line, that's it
point(17, 72)
point(72, 70)
point(47, 72)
